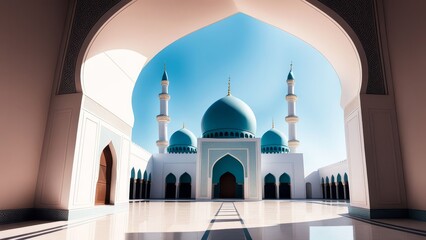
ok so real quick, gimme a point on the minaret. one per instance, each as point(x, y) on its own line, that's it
point(163, 118)
point(291, 118)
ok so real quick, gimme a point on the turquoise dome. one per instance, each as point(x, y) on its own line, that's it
point(274, 141)
point(228, 117)
point(182, 141)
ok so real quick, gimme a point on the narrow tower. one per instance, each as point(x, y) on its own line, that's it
point(163, 118)
point(291, 118)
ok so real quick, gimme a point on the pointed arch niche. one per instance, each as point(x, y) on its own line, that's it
point(338, 43)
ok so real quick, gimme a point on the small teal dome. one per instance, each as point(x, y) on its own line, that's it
point(274, 141)
point(182, 141)
point(228, 117)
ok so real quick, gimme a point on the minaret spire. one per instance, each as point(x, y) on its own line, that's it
point(229, 86)
point(291, 118)
point(163, 118)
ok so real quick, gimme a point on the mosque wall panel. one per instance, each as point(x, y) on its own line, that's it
point(55, 171)
point(84, 175)
point(356, 160)
point(56, 158)
point(382, 152)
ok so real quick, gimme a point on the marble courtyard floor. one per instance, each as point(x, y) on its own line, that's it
point(186, 220)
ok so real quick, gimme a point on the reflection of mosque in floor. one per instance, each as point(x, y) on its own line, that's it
point(228, 161)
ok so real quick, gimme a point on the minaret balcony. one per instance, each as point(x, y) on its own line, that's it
point(164, 96)
point(161, 143)
point(164, 82)
point(293, 143)
point(163, 118)
point(291, 98)
point(292, 119)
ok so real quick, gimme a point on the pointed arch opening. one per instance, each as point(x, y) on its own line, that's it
point(327, 188)
point(170, 186)
point(346, 181)
point(285, 186)
point(132, 190)
point(333, 188)
point(270, 187)
point(340, 189)
point(103, 185)
point(228, 178)
point(185, 186)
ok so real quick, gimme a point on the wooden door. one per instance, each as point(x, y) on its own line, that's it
point(228, 185)
point(103, 186)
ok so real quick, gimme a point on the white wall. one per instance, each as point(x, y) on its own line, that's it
point(290, 163)
point(139, 159)
point(176, 164)
point(315, 181)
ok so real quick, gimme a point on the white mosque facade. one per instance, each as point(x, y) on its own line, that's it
point(228, 161)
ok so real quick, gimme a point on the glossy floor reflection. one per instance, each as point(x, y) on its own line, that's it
point(310, 220)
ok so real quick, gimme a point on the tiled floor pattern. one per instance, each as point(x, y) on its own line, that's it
point(301, 220)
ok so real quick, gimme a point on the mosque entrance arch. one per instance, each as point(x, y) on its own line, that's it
point(103, 186)
point(228, 178)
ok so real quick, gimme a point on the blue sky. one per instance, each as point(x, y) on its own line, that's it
point(257, 57)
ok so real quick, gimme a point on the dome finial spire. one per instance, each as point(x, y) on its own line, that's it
point(183, 125)
point(273, 123)
point(229, 86)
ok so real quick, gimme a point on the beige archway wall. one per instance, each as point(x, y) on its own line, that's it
point(147, 27)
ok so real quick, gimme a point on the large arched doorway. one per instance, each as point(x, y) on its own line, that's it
point(285, 186)
point(103, 186)
point(323, 188)
point(348, 59)
point(270, 188)
point(170, 186)
point(228, 178)
point(185, 186)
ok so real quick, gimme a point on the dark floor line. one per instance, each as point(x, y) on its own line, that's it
point(245, 230)
point(207, 232)
point(388, 225)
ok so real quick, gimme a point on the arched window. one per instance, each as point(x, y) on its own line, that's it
point(241, 135)
point(216, 135)
point(226, 134)
point(232, 134)
point(245, 135)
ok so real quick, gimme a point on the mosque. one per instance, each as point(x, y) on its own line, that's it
point(228, 161)
point(66, 138)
